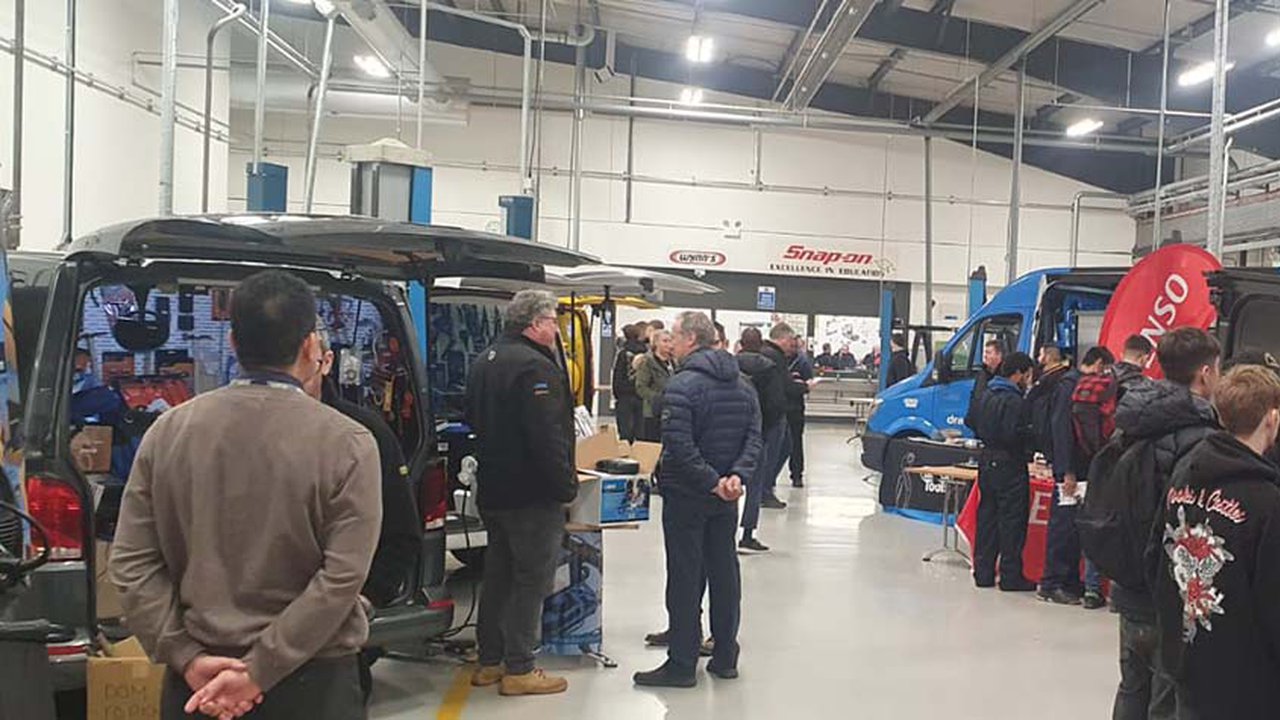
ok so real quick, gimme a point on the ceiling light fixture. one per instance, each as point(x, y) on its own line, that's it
point(372, 66)
point(1273, 38)
point(1200, 73)
point(1083, 127)
point(699, 48)
point(691, 96)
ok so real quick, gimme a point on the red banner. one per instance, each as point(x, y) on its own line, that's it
point(1166, 290)
point(1041, 490)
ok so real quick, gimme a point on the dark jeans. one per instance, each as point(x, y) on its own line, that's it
point(795, 422)
point(1146, 692)
point(1002, 517)
point(1062, 550)
point(629, 413)
point(756, 485)
point(700, 535)
point(778, 461)
point(322, 689)
point(519, 570)
point(650, 430)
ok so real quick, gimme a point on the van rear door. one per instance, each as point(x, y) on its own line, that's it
point(1248, 302)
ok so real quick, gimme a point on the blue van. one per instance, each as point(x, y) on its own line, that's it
point(1060, 306)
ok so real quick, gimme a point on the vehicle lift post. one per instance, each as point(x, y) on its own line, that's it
point(977, 290)
point(392, 181)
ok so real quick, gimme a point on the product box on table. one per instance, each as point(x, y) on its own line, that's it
point(606, 498)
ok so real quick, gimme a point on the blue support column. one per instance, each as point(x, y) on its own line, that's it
point(268, 188)
point(420, 213)
point(977, 290)
point(886, 335)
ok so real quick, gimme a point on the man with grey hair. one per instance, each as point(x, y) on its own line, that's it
point(520, 407)
point(710, 447)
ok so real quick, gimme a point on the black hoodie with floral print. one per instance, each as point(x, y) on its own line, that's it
point(1217, 584)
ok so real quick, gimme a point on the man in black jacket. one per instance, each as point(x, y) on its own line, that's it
point(992, 356)
point(1130, 371)
point(1061, 580)
point(800, 372)
point(767, 382)
point(628, 407)
point(1174, 415)
point(900, 365)
point(1005, 432)
point(400, 540)
point(1217, 587)
point(519, 404)
point(781, 342)
point(710, 446)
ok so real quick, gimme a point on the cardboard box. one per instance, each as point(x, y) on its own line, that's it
point(108, 598)
point(124, 684)
point(91, 449)
point(605, 499)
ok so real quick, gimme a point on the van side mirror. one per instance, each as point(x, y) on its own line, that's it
point(942, 367)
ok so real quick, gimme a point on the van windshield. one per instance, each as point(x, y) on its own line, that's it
point(143, 350)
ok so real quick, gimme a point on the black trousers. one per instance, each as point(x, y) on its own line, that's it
point(700, 537)
point(519, 572)
point(1002, 517)
point(1146, 691)
point(630, 417)
point(650, 430)
point(322, 689)
point(1062, 550)
point(796, 421)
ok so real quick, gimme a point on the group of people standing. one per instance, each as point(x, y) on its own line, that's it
point(1168, 488)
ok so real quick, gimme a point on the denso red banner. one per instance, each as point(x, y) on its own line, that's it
point(1166, 290)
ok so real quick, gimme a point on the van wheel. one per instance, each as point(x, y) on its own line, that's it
point(471, 557)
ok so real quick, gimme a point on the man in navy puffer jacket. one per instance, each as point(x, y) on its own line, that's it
point(710, 448)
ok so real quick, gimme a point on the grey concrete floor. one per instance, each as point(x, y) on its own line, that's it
point(842, 619)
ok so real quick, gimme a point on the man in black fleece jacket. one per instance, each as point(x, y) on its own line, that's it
point(1217, 587)
point(1175, 415)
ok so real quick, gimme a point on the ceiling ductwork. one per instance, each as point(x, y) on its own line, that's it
point(386, 37)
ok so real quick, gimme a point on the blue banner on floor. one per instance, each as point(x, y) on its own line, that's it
point(572, 621)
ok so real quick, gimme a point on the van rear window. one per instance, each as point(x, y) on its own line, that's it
point(141, 351)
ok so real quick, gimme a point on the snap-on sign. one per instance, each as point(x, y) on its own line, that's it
point(826, 257)
point(1166, 290)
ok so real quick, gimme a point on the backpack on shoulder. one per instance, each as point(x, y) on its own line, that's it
point(1115, 519)
point(1093, 412)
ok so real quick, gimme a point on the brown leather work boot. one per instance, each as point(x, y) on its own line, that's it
point(534, 683)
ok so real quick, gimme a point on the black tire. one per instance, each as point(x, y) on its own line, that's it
point(471, 557)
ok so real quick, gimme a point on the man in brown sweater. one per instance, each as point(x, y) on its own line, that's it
point(247, 530)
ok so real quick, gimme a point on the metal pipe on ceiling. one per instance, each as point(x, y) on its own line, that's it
point(422, 62)
point(928, 231)
point(168, 104)
point(322, 90)
point(845, 24)
point(1076, 202)
point(1015, 184)
point(1157, 236)
point(14, 232)
point(1217, 140)
point(260, 104)
point(1237, 122)
point(1018, 52)
point(575, 149)
point(281, 148)
point(69, 151)
point(285, 50)
point(210, 39)
point(795, 56)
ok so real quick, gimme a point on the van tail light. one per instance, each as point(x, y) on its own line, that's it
point(57, 507)
point(434, 499)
